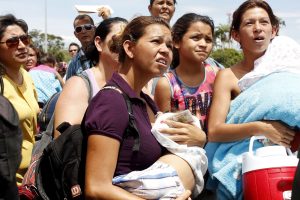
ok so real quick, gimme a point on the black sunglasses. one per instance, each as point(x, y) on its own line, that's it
point(80, 28)
point(14, 41)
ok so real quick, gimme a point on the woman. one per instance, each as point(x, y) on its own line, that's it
point(19, 88)
point(34, 56)
point(107, 117)
point(254, 26)
point(162, 8)
point(74, 98)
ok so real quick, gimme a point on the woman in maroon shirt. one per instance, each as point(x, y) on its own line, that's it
point(107, 116)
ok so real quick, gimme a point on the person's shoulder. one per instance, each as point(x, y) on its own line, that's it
point(226, 73)
point(213, 63)
point(75, 59)
point(108, 95)
point(226, 80)
point(75, 83)
point(164, 81)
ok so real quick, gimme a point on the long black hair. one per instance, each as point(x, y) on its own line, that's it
point(102, 30)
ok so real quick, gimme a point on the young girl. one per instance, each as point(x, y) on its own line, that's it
point(189, 84)
point(253, 26)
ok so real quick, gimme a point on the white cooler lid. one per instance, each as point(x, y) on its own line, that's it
point(252, 162)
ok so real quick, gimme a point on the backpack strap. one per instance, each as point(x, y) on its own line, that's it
point(131, 129)
point(88, 84)
point(1, 86)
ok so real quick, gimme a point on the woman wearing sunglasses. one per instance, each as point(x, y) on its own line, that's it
point(18, 86)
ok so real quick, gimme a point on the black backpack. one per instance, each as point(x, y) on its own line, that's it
point(10, 147)
point(47, 112)
point(61, 170)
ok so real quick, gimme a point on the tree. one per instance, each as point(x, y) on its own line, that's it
point(55, 44)
point(227, 56)
point(221, 36)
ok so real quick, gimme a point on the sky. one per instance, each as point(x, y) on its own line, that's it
point(61, 13)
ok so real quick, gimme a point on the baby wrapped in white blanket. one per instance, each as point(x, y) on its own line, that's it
point(160, 181)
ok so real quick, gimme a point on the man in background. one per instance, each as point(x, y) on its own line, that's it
point(84, 31)
point(73, 49)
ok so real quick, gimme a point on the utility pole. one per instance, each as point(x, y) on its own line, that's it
point(46, 34)
point(229, 15)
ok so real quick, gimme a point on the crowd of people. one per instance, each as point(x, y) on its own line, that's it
point(164, 71)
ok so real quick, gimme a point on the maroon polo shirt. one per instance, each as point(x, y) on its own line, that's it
point(107, 115)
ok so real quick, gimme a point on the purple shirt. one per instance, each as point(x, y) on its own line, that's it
point(107, 115)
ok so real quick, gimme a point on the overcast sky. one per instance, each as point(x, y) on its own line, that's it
point(61, 13)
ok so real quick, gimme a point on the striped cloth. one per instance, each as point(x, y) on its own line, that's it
point(159, 181)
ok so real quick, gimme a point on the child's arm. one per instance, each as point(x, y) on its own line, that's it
point(162, 96)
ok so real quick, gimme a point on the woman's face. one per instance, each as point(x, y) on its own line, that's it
point(107, 57)
point(256, 31)
point(152, 53)
point(15, 55)
point(196, 44)
point(31, 60)
point(162, 8)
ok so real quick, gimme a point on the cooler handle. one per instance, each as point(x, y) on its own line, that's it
point(261, 137)
point(252, 139)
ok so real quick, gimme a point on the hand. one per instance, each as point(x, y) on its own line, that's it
point(184, 133)
point(56, 74)
point(103, 12)
point(279, 133)
point(185, 196)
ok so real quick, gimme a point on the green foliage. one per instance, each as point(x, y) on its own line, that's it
point(222, 32)
point(227, 57)
point(55, 44)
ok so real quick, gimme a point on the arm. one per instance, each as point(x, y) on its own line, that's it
point(162, 95)
point(99, 172)
point(100, 167)
point(225, 88)
point(104, 12)
point(182, 133)
point(72, 103)
point(60, 79)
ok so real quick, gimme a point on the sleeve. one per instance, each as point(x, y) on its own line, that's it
point(107, 115)
point(70, 69)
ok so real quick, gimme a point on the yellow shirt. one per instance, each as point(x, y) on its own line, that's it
point(24, 99)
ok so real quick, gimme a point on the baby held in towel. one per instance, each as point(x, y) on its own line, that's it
point(162, 179)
